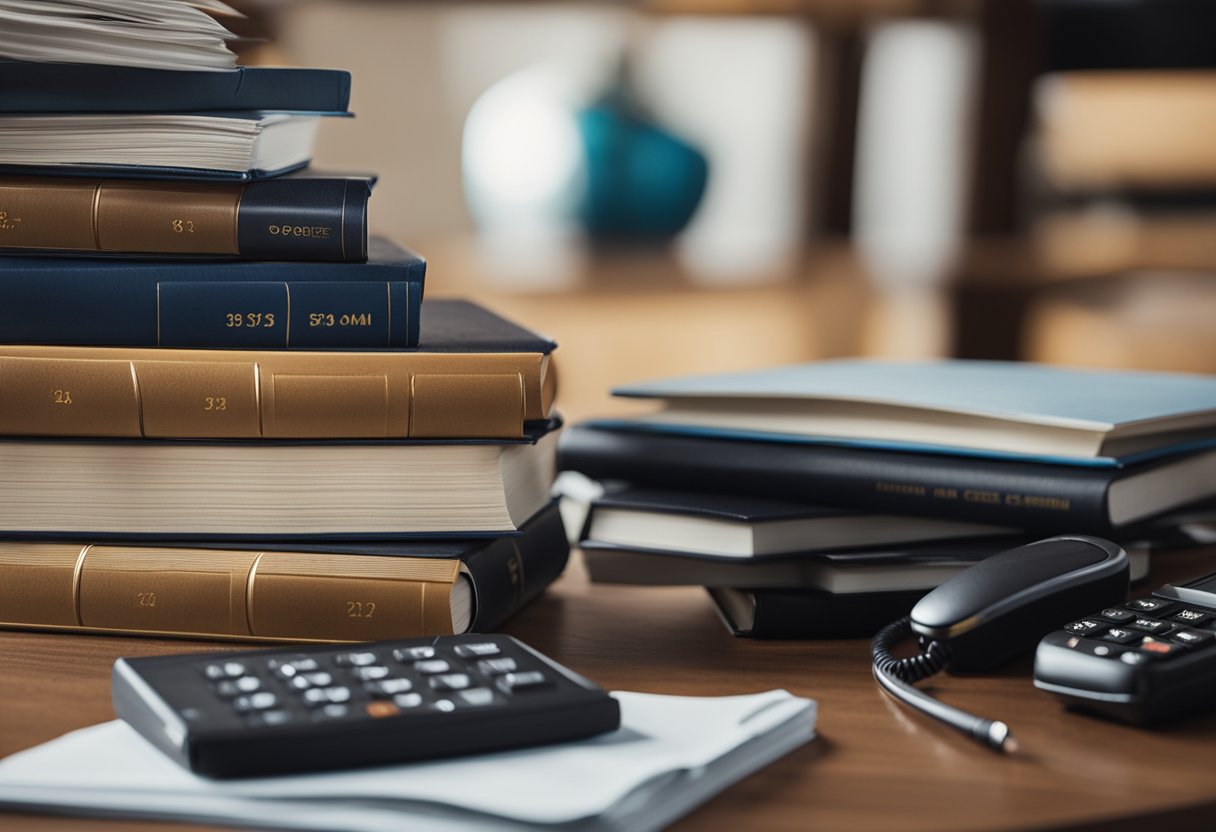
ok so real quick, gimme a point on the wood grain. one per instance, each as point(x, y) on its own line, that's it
point(874, 766)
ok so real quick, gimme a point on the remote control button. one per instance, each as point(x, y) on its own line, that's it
point(445, 705)
point(1143, 605)
point(258, 720)
point(1133, 658)
point(407, 700)
point(299, 683)
point(387, 687)
point(1157, 647)
point(1084, 627)
point(227, 689)
point(381, 709)
point(1093, 648)
point(321, 679)
point(332, 712)
point(255, 702)
point(497, 667)
point(234, 669)
point(432, 666)
point(1150, 625)
point(515, 682)
point(478, 650)
point(1189, 618)
point(451, 681)
point(338, 695)
point(1115, 614)
point(369, 674)
point(316, 696)
point(290, 666)
point(476, 696)
point(413, 654)
point(1191, 636)
point(355, 659)
point(1120, 635)
point(215, 672)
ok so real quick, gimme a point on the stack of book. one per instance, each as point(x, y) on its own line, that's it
point(824, 499)
point(223, 411)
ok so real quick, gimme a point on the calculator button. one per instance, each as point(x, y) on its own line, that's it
point(370, 673)
point(1084, 627)
point(299, 683)
point(234, 687)
point(1115, 614)
point(355, 659)
point(450, 681)
point(445, 705)
point(407, 700)
point(413, 654)
point(1191, 636)
point(319, 680)
point(334, 711)
point(1157, 647)
point(1149, 625)
point(388, 687)
point(337, 695)
point(1147, 605)
point(476, 696)
point(255, 702)
point(315, 696)
point(1189, 618)
point(497, 667)
point(1121, 635)
point(532, 680)
point(432, 666)
point(478, 650)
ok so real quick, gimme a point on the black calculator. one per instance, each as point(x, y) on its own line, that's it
point(1148, 660)
point(281, 711)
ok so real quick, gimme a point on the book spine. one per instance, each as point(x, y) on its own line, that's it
point(82, 304)
point(1038, 497)
point(275, 219)
point(240, 595)
point(251, 395)
point(511, 571)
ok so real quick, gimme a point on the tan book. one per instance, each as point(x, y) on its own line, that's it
point(453, 387)
point(349, 592)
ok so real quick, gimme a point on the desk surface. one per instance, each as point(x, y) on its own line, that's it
point(875, 765)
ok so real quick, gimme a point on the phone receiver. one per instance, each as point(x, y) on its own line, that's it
point(988, 614)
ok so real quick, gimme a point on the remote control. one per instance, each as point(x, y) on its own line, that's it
point(1148, 660)
point(281, 710)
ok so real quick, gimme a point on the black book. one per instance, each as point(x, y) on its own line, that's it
point(1037, 497)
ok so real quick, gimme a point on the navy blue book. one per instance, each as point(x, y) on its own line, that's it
point(298, 217)
point(236, 304)
point(92, 88)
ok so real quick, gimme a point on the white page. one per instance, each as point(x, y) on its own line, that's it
point(109, 767)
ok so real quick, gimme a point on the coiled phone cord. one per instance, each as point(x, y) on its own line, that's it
point(896, 676)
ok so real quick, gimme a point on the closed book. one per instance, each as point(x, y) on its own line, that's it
point(306, 592)
point(736, 526)
point(290, 218)
point(281, 490)
point(1052, 499)
point(996, 409)
point(473, 376)
point(233, 146)
point(94, 88)
point(229, 304)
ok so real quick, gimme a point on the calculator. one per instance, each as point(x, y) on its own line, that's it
point(1146, 661)
point(281, 711)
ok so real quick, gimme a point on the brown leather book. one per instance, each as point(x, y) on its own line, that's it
point(234, 394)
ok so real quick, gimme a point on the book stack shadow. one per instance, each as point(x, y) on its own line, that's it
point(224, 411)
point(823, 500)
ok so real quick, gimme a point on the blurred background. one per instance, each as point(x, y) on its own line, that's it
point(678, 186)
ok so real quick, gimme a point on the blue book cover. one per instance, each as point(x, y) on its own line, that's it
point(90, 88)
point(998, 409)
point(235, 304)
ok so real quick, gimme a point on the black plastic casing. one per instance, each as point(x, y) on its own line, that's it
point(1003, 605)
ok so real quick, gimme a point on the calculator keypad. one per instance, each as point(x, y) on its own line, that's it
point(1144, 629)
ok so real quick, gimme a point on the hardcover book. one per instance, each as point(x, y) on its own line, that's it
point(733, 526)
point(473, 376)
point(290, 218)
point(979, 408)
point(63, 88)
point(1037, 497)
point(233, 146)
point(73, 490)
point(307, 591)
point(232, 304)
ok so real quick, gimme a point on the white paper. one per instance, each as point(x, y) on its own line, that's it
point(659, 764)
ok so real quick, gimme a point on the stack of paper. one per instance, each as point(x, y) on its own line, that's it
point(671, 754)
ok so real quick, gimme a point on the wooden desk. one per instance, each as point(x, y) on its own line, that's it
point(875, 764)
